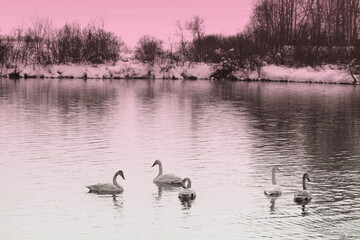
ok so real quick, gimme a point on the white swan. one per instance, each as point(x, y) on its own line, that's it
point(108, 188)
point(187, 192)
point(273, 190)
point(165, 178)
point(303, 196)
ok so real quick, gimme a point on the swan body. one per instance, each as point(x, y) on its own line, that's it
point(274, 189)
point(161, 178)
point(304, 195)
point(108, 188)
point(187, 193)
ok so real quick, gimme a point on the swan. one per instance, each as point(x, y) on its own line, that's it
point(273, 190)
point(165, 178)
point(187, 192)
point(304, 195)
point(108, 188)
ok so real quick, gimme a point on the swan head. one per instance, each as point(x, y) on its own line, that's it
point(276, 168)
point(306, 176)
point(157, 162)
point(121, 173)
point(183, 182)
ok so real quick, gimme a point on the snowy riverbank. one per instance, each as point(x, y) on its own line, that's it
point(135, 69)
point(324, 74)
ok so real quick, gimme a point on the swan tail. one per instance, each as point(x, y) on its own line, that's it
point(92, 188)
point(273, 193)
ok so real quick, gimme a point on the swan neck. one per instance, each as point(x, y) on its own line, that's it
point(160, 169)
point(304, 182)
point(188, 183)
point(114, 180)
point(273, 176)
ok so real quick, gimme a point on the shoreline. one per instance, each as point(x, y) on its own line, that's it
point(326, 74)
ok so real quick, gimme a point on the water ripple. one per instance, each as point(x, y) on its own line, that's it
point(224, 136)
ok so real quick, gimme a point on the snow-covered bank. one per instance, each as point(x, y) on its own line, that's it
point(135, 69)
point(325, 74)
point(120, 70)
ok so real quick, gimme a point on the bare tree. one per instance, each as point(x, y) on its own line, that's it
point(183, 42)
point(37, 37)
point(196, 27)
point(5, 50)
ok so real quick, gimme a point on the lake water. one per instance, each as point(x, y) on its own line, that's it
point(57, 136)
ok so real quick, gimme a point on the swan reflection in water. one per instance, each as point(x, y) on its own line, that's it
point(304, 210)
point(164, 187)
point(186, 203)
point(272, 202)
point(118, 201)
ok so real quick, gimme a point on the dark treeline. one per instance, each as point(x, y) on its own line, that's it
point(306, 31)
point(289, 32)
point(41, 44)
point(306, 22)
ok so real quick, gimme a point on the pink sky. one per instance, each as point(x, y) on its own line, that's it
point(130, 19)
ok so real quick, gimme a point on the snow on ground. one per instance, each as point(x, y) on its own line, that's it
point(122, 69)
point(306, 74)
point(198, 70)
point(167, 70)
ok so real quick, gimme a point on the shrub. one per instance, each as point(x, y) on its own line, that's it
point(148, 48)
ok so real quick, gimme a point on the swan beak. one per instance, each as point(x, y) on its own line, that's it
point(156, 162)
point(309, 179)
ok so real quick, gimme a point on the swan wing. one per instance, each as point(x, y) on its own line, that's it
point(187, 193)
point(302, 195)
point(168, 178)
point(94, 187)
point(105, 188)
point(273, 190)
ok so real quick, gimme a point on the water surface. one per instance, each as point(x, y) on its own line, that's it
point(57, 136)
